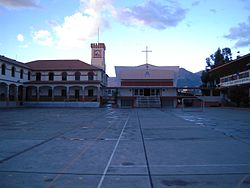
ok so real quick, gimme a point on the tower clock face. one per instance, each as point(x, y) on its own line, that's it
point(97, 53)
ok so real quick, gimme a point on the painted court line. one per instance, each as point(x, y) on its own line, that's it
point(203, 165)
point(112, 155)
point(181, 166)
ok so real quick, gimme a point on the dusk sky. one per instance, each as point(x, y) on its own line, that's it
point(181, 33)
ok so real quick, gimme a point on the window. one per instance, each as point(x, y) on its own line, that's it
point(77, 76)
point(64, 76)
point(90, 76)
point(13, 70)
point(38, 76)
point(3, 69)
point(141, 92)
point(21, 74)
point(63, 93)
point(28, 75)
point(136, 92)
point(51, 76)
point(244, 75)
point(152, 92)
point(157, 92)
point(90, 92)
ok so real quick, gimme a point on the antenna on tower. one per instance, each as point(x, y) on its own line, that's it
point(98, 37)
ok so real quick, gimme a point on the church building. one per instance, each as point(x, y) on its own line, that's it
point(145, 86)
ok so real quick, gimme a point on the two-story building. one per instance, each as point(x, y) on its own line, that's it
point(54, 82)
point(233, 80)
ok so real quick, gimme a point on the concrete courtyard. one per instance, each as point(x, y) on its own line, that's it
point(124, 148)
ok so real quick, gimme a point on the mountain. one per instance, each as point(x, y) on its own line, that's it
point(188, 79)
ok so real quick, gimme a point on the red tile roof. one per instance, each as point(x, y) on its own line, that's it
point(60, 65)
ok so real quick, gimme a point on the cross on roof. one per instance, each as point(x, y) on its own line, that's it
point(146, 51)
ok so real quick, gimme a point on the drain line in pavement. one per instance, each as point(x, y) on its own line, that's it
point(145, 152)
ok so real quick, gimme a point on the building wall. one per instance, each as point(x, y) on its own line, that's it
point(8, 70)
point(125, 92)
point(98, 75)
point(169, 92)
point(140, 83)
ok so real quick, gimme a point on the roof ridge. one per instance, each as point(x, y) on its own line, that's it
point(56, 60)
point(61, 64)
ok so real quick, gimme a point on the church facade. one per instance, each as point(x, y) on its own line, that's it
point(145, 86)
point(54, 82)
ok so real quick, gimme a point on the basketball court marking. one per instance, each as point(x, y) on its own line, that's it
point(112, 155)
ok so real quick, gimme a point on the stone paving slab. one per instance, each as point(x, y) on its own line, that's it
point(63, 156)
point(126, 181)
point(36, 180)
point(129, 159)
point(203, 181)
point(196, 153)
point(11, 147)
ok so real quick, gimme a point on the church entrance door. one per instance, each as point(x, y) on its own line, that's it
point(146, 92)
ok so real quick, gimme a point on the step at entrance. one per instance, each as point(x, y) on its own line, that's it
point(148, 102)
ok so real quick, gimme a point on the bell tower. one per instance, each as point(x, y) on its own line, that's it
point(98, 55)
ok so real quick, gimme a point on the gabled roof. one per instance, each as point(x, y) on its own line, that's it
point(149, 66)
point(146, 71)
point(12, 61)
point(70, 64)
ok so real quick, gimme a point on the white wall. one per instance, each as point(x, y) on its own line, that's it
point(70, 75)
point(169, 92)
point(8, 70)
point(124, 92)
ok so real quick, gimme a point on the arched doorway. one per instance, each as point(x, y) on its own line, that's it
point(12, 92)
point(31, 93)
point(20, 93)
point(45, 93)
point(75, 93)
point(3, 91)
point(91, 93)
point(60, 93)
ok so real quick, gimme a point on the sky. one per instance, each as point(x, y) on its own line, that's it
point(179, 33)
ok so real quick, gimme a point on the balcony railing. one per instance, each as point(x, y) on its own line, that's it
point(235, 82)
point(235, 79)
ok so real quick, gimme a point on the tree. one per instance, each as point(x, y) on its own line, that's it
point(227, 54)
point(204, 78)
point(209, 63)
point(217, 58)
point(220, 57)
